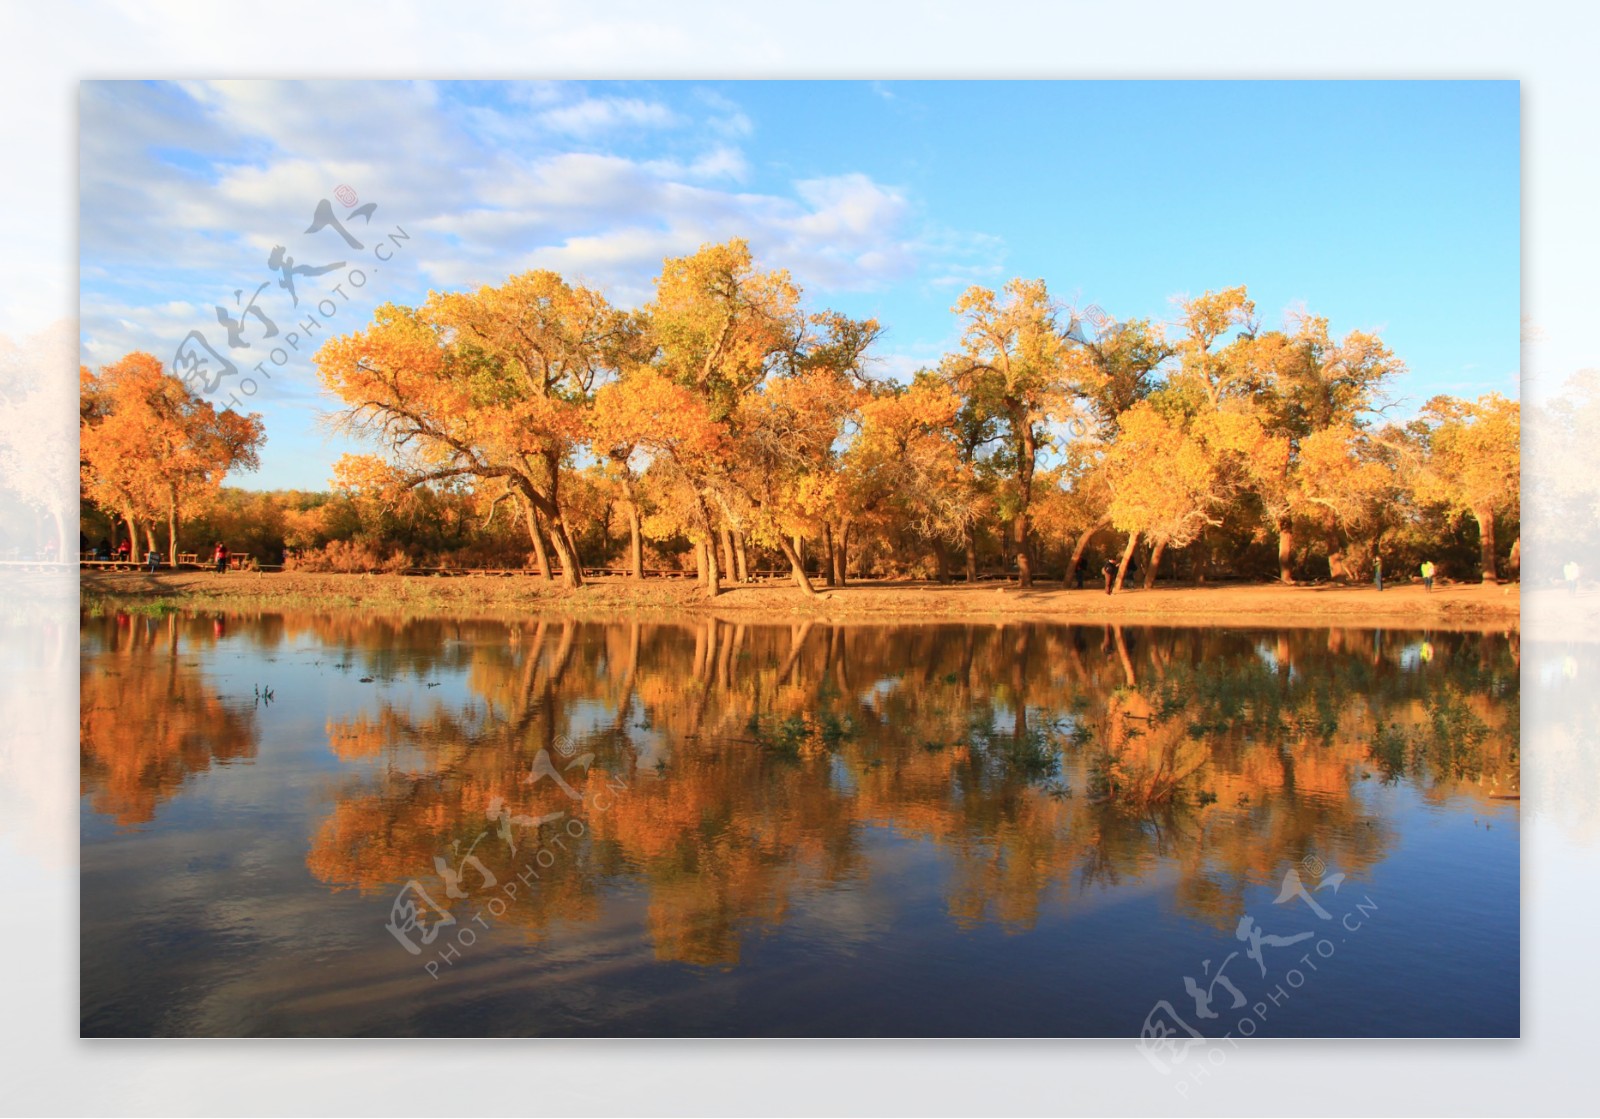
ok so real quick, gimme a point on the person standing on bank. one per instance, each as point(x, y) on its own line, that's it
point(1109, 570)
point(222, 557)
point(1377, 574)
point(1427, 575)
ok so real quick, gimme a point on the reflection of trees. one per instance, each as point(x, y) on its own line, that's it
point(759, 757)
point(147, 720)
point(760, 761)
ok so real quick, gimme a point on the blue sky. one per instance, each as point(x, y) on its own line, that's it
point(1383, 206)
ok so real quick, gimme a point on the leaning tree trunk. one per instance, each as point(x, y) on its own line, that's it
point(700, 562)
point(797, 567)
point(1485, 519)
point(1155, 562)
point(1083, 543)
point(1127, 554)
point(541, 556)
point(1285, 551)
point(742, 557)
point(571, 569)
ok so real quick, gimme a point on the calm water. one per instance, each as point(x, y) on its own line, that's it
point(345, 825)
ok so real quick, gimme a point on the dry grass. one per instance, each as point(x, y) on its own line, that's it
point(1461, 606)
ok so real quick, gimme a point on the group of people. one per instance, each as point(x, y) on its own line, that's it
point(1427, 570)
point(1108, 571)
point(123, 553)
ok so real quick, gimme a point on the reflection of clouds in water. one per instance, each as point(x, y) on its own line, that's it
point(1268, 654)
point(653, 747)
point(880, 690)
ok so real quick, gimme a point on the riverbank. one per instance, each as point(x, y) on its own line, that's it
point(1467, 606)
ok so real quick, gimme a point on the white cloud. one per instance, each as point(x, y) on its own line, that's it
point(612, 220)
point(718, 163)
point(186, 189)
point(727, 118)
point(596, 115)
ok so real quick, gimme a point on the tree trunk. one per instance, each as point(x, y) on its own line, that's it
point(700, 562)
point(800, 549)
point(1285, 551)
point(172, 528)
point(1485, 519)
point(940, 566)
point(1155, 562)
point(741, 555)
point(1127, 554)
point(635, 542)
point(1025, 497)
point(537, 536)
point(571, 565)
point(571, 539)
point(797, 567)
point(841, 553)
point(713, 575)
point(728, 564)
point(1019, 541)
point(970, 540)
point(830, 561)
point(1083, 543)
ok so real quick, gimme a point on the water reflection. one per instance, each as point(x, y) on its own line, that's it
point(1046, 764)
point(148, 720)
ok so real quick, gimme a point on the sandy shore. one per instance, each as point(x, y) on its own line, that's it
point(1467, 606)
